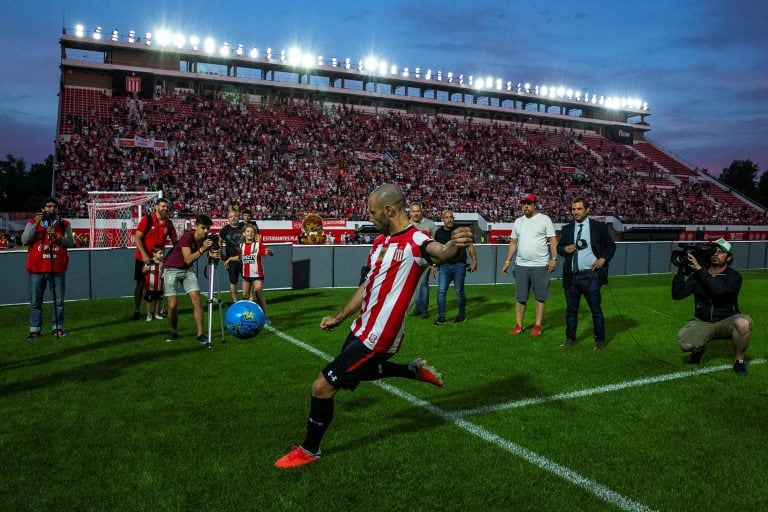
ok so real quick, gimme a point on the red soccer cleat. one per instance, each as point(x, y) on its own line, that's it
point(517, 330)
point(296, 457)
point(536, 331)
point(426, 373)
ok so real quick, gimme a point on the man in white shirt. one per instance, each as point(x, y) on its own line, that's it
point(534, 242)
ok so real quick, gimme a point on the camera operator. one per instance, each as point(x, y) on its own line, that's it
point(192, 246)
point(48, 238)
point(715, 288)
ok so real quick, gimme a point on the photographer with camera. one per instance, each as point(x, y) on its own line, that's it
point(48, 238)
point(587, 248)
point(705, 273)
point(191, 246)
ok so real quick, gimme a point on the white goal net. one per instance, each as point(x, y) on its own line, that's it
point(113, 216)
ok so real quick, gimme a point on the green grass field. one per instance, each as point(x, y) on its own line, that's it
point(113, 418)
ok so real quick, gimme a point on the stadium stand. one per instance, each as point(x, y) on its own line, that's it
point(289, 157)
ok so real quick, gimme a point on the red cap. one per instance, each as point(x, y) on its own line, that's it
point(529, 198)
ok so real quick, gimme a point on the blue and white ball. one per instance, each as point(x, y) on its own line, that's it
point(244, 319)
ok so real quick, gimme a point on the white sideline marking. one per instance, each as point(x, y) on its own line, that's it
point(516, 404)
point(599, 490)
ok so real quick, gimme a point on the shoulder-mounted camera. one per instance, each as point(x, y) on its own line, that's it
point(701, 251)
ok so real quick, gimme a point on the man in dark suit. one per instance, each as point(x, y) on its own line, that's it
point(587, 248)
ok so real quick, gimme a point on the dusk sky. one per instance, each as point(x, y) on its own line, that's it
point(702, 66)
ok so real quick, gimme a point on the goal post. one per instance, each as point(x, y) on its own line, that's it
point(113, 216)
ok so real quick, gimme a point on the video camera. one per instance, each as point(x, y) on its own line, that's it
point(213, 237)
point(701, 251)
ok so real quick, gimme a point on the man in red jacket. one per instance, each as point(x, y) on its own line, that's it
point(48, 237)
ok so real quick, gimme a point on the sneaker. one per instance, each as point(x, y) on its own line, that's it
point(202, 339)
point(740, 367)
point(517, 330)
point(32, 336)
point(695, 357)
point(137, 315)
point(60, 333)
point(164, 314)
point(173, 336)
point(149, 318)
point(600, 345)
point(569, 342)
point(426, 373)
point(159, 317)
point(440, 320)
point(459, 319)
point(536, 331)
point(296, 457)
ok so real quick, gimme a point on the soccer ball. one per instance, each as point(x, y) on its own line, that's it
point(244, 319)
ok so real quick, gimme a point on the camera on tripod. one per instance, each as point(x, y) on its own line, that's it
point(702, 252)
point(49, 219)
point(213, 237)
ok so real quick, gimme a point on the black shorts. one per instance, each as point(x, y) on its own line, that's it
point(150, 296)
point(234, 269)
point(253, 279)
point(354, 364)
point(138, 271)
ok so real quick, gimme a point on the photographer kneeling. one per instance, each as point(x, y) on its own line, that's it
point(191, 246)
point(716, 292)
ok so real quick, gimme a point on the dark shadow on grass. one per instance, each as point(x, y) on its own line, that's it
point(103, 370)
point(292, 297)
point(73, 350)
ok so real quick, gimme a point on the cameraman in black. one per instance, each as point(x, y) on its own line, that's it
point(192, 246)
point(715, 287)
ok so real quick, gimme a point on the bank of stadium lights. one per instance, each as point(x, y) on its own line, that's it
point(372, 65)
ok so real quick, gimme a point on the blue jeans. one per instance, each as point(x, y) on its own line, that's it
point(422, 294)
point(37, 285)
point(588, 286)
point(448, 272)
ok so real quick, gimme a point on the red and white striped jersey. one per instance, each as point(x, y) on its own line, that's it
point(250, 255)
point(153, 280)
point(397, 263)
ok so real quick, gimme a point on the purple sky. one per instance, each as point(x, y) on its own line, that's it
point(701, 66)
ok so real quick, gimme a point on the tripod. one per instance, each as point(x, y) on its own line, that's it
point(211, 268)
point(57, 330)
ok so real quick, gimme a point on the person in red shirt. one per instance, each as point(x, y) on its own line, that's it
point(48, 237)
point(397, 260)
point(154, 229)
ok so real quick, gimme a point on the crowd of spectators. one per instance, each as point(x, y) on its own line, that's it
point(289, 158)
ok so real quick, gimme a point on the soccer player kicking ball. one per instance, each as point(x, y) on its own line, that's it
point(396, 261)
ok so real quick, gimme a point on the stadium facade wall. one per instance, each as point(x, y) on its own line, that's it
point(103, 273)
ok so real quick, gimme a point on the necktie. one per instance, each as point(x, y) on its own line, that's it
point(576, 254)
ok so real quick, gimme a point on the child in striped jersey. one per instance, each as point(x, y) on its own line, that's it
point(250, 253)
point(153, 283)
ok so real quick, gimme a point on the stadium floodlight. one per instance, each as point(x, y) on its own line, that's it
point(393, 69)
point(163, 37)
point(383, 67)
point(561, 92)
point(195, 42)
point(254, 53)
point(544, 90)
point(536, 89)
point(450, 77)
point(148, 39)
point(479, 83)
point(509, 86)
point(461, 79)
point(577, 94)
point(594, 99)
point(439, 76)
point(371, 63)
point(114, 34)
point(645, 106)
point(308, 61)
point(602, 100)
point(347, 63)
point(360, 66)
point(405, 73)
point(79, 30)
point(527, 87)
point(489, 82)
point(500, 84)
point(132, 36)
point(428, 76)
point(470, 80)
point(320, 60)
point(178, 40)
point(224, 50)
point(209, 45)
point(239, 49)
point(282, 56)
point(552, 92)
point(294, 56)
point(269, 53)
point(334, 62)
point(416, 72)
point(97, 33)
